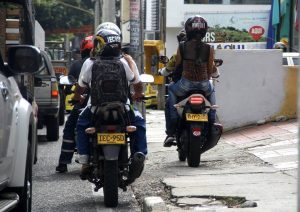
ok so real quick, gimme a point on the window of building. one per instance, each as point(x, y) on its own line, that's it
point(227, 1)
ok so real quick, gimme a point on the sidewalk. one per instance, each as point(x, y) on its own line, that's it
point(259, 165)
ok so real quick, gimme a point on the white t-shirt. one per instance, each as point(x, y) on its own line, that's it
point(85, 76)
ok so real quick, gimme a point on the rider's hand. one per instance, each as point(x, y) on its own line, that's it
point(137, 96)
point(79, 100)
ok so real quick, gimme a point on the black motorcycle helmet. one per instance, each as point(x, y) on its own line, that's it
point(195, 27)
point(107, 43)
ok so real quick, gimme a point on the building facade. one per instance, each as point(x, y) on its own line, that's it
point(233, 24)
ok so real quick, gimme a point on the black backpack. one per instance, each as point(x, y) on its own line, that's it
point(109, 83)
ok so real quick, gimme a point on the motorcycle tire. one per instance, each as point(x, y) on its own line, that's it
point(181, 147)
point(194, 147)
point(111, 183)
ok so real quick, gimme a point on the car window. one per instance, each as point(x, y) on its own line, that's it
point(284, 61)
point(44, 69)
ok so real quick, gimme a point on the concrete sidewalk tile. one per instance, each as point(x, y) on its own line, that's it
point(236, 138)
point(254, 133)
point(271, 129)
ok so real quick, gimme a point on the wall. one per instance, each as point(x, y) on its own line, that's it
point(254, 86)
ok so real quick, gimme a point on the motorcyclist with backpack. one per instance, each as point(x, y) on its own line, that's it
point(197, 60)
point(68, 143)
point(107, 44)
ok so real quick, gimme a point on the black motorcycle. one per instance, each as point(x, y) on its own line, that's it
point(195, 132)
point(110, 166)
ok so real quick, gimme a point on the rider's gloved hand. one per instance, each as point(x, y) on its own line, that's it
point(163, 72)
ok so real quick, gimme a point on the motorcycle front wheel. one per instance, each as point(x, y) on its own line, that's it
point(111, 183)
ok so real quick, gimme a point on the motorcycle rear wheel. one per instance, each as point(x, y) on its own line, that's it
point(194, 147)
point(181, 147)
point(111, 183)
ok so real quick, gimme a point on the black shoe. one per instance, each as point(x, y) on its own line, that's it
point(169, 141)
point(61, 168)
point(85, 171)
point(136, 167)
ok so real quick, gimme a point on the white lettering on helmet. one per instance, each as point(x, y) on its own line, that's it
point(113, 39)
point(198, 25)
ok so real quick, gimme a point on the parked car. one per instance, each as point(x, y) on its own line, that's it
point(18, 143)
point(290, 58)
point(48, 95)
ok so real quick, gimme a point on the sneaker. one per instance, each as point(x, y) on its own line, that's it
point(169, 141)
point(61, 168)
point(85, 171)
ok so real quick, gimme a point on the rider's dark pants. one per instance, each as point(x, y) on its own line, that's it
point(68, 143)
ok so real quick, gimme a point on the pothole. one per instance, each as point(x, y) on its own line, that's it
point(213, 202)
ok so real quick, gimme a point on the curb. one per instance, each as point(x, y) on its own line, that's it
point(154, 204)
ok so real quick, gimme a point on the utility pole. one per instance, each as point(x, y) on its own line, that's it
point(97, 14)
point(136, 33)
point(109, 11)
point(136, 41)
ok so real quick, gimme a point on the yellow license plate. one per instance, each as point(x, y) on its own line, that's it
point(111, 138)
point(196, 117)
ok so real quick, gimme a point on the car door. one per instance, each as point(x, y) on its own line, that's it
point(6, 112)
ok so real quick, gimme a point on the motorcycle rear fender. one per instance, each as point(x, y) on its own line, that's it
point(111, 152)
point(180, 105)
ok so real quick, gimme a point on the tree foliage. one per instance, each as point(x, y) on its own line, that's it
point(63, 14)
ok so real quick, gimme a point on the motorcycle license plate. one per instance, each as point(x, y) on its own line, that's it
point(111, 138)
point(196, 117)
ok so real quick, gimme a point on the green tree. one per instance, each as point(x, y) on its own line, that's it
point(64, 14)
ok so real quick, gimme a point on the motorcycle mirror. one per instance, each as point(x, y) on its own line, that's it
point(146, 78)
point(163, 59)
point(67, 80)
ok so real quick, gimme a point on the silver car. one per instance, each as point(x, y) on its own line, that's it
point(48, 95)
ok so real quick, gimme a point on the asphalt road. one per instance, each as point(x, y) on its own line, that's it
point(67, 192)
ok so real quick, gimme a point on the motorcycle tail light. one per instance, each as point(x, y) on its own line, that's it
point(196, 100)
point(196, 131)
point(111, 128)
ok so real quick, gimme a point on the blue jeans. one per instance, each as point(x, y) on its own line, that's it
point(84, 121)
point(182, 88)
point(68, 143)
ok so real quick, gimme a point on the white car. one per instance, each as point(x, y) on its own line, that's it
point(17, 130)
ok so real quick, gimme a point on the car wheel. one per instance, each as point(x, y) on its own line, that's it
point(25, 193)
point(52, 125)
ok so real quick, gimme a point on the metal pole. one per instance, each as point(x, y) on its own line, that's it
point(109, 11)
point(298, 193)
point(136, 40)
point(97, 14)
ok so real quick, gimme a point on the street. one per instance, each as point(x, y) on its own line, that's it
point(251, 169)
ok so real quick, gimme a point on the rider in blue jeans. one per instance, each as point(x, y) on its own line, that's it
point(197, 60)
point(84, 121)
